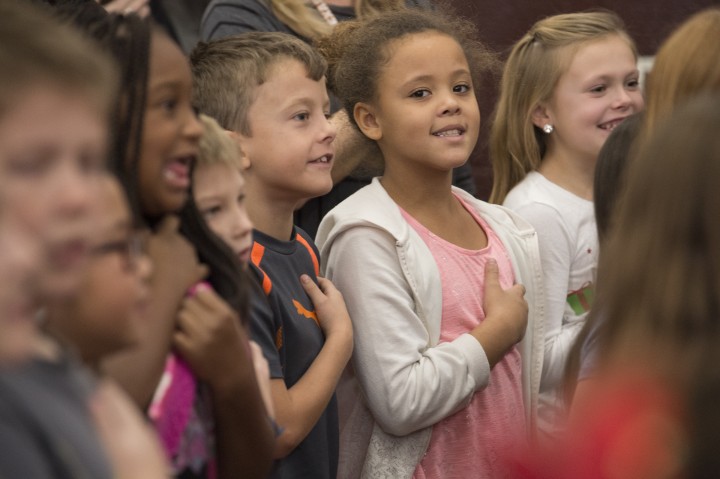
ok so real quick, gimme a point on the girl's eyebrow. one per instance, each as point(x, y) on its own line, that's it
point(167, 85)
point(210, 197)
point(427, 77)
point(607, 77)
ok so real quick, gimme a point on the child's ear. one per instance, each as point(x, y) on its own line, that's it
point(244, 161)
point(238, 139)
point(365, 118)
point(540, 116)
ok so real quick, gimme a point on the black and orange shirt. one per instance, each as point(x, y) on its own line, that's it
point(287, 329)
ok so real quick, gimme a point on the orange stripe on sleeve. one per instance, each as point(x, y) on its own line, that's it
point(279, 338)
point(315, 261)
point(256, 255)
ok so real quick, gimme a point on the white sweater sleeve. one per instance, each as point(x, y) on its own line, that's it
point(557, 249)
point(408, 385)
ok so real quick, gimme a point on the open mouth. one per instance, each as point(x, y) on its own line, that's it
point(323, 159)
point(610, 125)
point(177, 172)
point(450, 132)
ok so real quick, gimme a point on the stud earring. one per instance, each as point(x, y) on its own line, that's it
point(548, 128)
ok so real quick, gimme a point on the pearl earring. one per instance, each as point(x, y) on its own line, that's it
point(548, 128)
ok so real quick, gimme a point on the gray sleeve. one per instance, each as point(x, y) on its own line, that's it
point(21, 454)
point(223, 18)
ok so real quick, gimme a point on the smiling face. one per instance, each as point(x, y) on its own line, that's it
point(171, 131)
point(598, 91)
point(290, 147)
point(426, 115)
point(219, 192)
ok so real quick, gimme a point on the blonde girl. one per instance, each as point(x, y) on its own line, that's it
point(685, 66)
point(567, 83)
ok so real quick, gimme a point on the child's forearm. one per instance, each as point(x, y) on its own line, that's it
point(299, 408)
point(496, 340)
point(244, 434)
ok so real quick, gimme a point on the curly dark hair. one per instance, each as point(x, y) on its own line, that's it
point(357, 51)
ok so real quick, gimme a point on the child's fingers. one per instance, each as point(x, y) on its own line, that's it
point(491, 274)
point(207, 298)
point(519, 289)
point(326, 286)
point(209, 308)
point(190, 322)
point(183, 344)
point(312, 289)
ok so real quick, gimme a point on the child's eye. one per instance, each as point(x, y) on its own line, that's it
point(634, 83)
point(91, 162)
point(327, 115)
point(240, 199)
point(32, 165)
point(462, 88)
point(302, 116)
point(422, 93)
point(169, 106)
point(598, 89)
point(210, 212)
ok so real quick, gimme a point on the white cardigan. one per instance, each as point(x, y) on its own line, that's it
point(401, 381)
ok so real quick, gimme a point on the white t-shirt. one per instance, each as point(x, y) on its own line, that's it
point(567, 236)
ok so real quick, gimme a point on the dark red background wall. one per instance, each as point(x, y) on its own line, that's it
point(502, 22)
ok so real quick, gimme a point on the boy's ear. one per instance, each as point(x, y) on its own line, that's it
point(540, 116)
point(365, 118)
point(238, 139)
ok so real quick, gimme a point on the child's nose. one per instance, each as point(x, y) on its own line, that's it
point(329, 131)
point(450, 105)
point(241, 224)
point(193, 128)
point(75, 192)
point(622, 99)
point(143, 267)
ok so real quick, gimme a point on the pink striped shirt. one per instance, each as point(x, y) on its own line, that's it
point(473, 441)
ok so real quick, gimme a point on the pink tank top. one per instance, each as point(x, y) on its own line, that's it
point(473, 442)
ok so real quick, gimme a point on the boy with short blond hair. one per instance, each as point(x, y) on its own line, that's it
point(268, 89)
